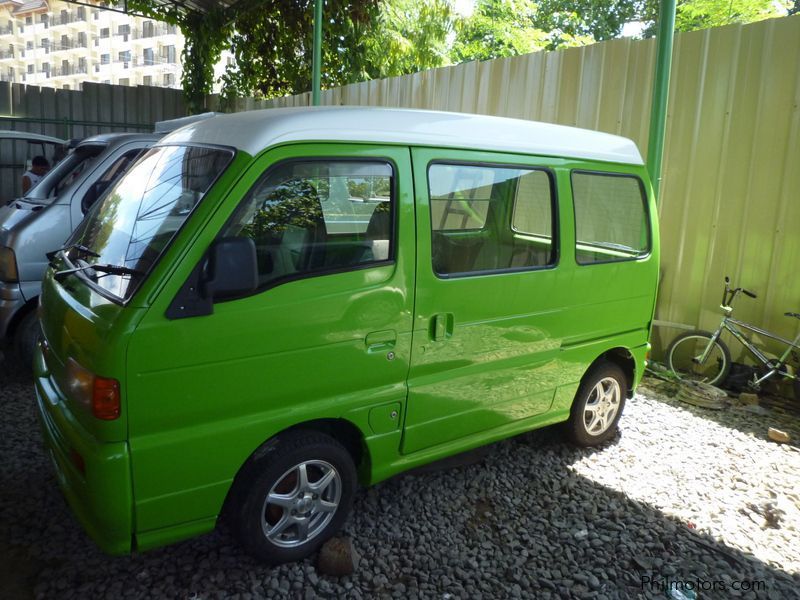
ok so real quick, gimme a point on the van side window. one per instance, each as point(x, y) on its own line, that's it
point(610, 217)
point(316, 216)
point(486, 218)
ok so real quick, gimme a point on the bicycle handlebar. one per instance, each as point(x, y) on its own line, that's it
point(730, 294)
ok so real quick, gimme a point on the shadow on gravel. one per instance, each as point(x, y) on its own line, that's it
point(516, 523)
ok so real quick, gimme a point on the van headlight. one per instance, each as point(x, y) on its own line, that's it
point(8, 265)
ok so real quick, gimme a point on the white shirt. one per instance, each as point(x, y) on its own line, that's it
point(33, 178)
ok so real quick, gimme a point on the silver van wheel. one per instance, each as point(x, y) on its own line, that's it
point(602, 406)
point(301, 503)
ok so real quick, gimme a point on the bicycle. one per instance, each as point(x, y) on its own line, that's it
point(703, 356)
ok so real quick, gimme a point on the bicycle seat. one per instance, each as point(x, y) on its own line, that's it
point(790, 314)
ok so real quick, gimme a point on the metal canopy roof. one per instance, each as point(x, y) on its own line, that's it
point(184, 6)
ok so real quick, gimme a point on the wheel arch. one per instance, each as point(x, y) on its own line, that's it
point(623, 358)
point(348, 434)
point(24, 311)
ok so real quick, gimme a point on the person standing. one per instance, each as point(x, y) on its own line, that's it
point(39, 166)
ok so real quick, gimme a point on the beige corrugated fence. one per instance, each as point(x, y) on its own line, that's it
point(731, 183)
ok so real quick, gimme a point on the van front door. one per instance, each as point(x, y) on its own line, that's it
point(487, 304)
point(327, 334)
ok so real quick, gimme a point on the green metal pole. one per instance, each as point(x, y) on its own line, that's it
point(316, 65)
point(658, 108)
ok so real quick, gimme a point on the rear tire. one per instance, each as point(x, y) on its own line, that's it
point(292, 496)
point(598, 405)
point(690, 345)
point(27, 335)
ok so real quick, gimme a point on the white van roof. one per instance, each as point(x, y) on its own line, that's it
point(253, 131)
point(34, 138)
point(173, 124)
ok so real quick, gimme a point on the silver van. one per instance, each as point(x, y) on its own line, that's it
point(17, 150)
point(40, 221)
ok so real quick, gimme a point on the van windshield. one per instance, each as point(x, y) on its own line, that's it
point(64, 174)
point(135, 221)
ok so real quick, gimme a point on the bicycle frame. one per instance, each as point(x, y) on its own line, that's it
point(732, 325)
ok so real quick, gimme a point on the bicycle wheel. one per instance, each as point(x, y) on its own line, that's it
point(683, 358)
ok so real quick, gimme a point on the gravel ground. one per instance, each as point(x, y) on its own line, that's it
point(683, 494)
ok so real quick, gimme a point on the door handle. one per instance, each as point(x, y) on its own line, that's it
point(441, 326)
point(380, 341)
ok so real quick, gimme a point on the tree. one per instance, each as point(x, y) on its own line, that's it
point(271, 40)
point(497, 28)
point(408, 36)
point(205, 34)
point(509, 27)
point(593, 20)
point(691, 15)
point(272, 46)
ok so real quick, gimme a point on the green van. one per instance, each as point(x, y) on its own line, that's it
point(272, 307)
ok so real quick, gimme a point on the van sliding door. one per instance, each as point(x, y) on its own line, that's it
point(485, 337)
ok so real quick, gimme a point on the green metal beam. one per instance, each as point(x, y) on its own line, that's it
point(658, 107)
point(316, 65)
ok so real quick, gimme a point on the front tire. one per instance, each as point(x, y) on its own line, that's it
point(292, 497)
point(598, 405)
point(26, 336)
point(686, 349)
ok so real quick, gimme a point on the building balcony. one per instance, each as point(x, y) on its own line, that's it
point(68, 19)
point(67, 71)
point(143, 33)
point(6, 54)
point(70, 44)
point(7, 30)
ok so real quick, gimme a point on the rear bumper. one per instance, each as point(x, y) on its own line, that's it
point(100, 493)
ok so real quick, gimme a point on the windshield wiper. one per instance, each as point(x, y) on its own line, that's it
point(107, 269)
point(83, 250)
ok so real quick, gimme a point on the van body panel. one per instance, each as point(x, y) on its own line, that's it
point(97, 486)
point(245, 388)
point(25, 226)
point(92, 335)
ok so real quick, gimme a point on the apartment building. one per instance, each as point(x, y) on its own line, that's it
point(56, 44)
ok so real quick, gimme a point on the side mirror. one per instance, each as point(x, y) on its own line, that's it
point(231, 269)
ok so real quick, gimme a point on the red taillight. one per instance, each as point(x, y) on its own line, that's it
point(105, 399)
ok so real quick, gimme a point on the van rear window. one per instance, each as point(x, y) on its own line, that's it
point(610, 217)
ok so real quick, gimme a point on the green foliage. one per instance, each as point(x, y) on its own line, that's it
point(498, 28)
point(509, 27)
point(569, 23)
point(701, 14)
point(408, 36)
point(271, 40)
point(272, 46)
point(206, 36)
point(294, 203)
